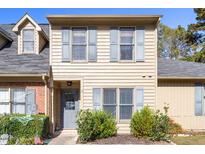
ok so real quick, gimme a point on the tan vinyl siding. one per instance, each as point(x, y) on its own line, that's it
point(104, 73)
point(180, 95)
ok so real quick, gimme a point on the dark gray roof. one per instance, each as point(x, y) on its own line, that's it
point(5, 34)
point(177, 68)
point(12, 63)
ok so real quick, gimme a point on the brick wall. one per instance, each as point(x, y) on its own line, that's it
point(38, 86)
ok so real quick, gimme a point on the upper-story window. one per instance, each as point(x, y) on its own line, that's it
point(79, 44)
point(28, 41)
point(126, 43)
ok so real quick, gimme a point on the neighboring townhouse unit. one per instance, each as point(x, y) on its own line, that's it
point(100, 62)
point(24, 66)
point(182, 85)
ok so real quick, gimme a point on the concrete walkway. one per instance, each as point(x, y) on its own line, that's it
point(64, 137)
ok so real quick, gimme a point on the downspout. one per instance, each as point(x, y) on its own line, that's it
point(45, 92)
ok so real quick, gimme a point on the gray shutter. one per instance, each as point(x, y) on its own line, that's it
point(114, 44)
point(97, 98)
point(139, 98)
point(66, 53)
point(140, 35)
point(92, 44)
point(31, 106)
point(198, 99)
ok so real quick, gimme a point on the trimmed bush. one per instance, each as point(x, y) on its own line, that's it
point(174, 128)
point(153, 125)
point(95, 125)
point(142, 123)
point(160, 128)
point(21, 141)
point(24, 127)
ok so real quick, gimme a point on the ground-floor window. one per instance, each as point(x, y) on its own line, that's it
point(109, 101)
point(126, 103)
point(4, 101)
point(120, 102)
point(17, 100)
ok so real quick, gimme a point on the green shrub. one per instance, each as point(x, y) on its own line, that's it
point(94, 125)
point(21, 141)
point(160, 128)
point(142, 123)
point(24, 126)
point(26, 141)
point(153, 125)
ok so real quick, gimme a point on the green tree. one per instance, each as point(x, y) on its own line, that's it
point(172, 42)
point(196, 37)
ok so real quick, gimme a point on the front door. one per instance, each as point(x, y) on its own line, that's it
point(70, 107)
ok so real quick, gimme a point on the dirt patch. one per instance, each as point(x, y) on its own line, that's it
point(125, 139)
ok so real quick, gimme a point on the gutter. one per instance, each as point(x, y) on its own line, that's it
point(174, 77)
point(23, 75)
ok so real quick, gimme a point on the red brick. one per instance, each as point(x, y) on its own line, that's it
point(38, 86)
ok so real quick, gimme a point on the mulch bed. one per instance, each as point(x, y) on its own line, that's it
point(125, 139)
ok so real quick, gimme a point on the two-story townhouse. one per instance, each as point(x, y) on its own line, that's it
point(100, 62)
point(104, 62)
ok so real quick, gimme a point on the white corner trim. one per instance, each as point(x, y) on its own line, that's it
point(26, 16)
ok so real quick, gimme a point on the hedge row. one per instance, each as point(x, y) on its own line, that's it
point(24, 126)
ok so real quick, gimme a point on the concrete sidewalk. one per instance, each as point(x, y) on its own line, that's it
point(64, 137)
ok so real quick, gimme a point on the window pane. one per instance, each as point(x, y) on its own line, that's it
point(18, 108)
point(65, 52)
point(126, 52)
point(126, 96)
point(28, 35)
point(4, 108)
point(109, 96)
point(110, 109)
point(79, 52)
point(4, 95)
point(127, 35)
point(28, 47)
point(125, 112)
point(79, 36)
point(19, 96)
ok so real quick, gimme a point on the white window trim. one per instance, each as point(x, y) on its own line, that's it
point(34, 41)
point(134, 44)
point(22, 103)
point(71, 44)
point(118, 120)
point(11, 101)
point(133, 89)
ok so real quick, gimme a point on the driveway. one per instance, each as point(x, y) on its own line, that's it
point(64, 137)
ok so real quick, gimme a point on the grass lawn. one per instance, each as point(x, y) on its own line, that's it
point(189, 140)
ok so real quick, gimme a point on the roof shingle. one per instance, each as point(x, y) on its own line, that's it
point(176, 68)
